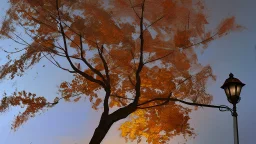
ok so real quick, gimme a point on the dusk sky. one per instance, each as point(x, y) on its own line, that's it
point(74, 123)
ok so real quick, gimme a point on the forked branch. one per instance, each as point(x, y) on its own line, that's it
point(100, 52)
point(108, 86)
point(85, 75)
point(133, 7)
point(86, 62)
point(154, 22)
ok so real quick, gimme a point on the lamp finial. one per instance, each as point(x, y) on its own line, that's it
point(231, 75)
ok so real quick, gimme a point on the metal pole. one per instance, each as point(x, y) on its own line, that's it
point(234, 114)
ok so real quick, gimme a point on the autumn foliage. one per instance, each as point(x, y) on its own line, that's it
point(136, 56)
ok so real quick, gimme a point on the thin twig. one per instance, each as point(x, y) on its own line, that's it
point(154, 22)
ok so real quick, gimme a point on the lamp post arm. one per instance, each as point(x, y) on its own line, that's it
point(222, 108)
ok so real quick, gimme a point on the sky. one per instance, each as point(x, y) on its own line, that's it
point(74, 123)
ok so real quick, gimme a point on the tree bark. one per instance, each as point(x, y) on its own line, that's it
point(107, 121)
point(101, 131)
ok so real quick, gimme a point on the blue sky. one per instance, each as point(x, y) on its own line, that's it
point(70, 123)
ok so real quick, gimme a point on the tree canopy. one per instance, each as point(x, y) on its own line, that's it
point(137, 57)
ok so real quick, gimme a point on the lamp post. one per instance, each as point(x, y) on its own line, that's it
point(232, 87)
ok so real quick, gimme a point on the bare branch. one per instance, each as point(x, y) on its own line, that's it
point(17, 41)
point(61, 55)
point(57, 64)
point(12, 52)
point(22, 39)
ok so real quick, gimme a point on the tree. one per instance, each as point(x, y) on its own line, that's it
point(134, 56)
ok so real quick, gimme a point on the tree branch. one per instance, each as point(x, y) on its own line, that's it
point(134, 9)
point(130, 79)
point(59, 66)
point(141, 63)
point(53, 16)
point(86, 62)
point(154, 22)
point(81, 49)
point(117, 96)
point(166, 100)
point(85, 75)
point(55, 62)
point(108, 86)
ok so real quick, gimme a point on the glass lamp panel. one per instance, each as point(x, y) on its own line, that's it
point(227, 91)
point(232, 90)
point(238, 89)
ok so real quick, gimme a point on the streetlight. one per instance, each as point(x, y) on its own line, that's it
point(232, 87)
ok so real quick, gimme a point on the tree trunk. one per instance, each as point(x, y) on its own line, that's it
point(100, 132)
point(107, 121)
